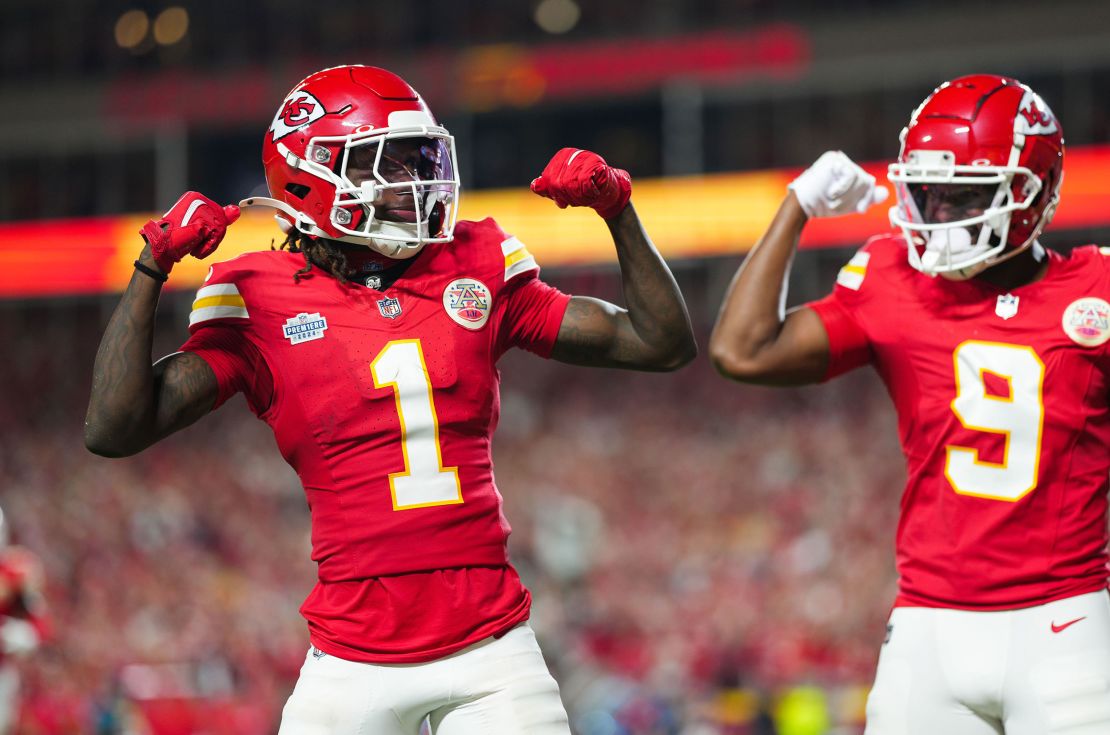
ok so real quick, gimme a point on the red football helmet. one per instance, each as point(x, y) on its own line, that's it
point(355, 155)
point(978, 175)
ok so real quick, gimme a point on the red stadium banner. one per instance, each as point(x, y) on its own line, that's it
point(482, 77)
point(688, 217)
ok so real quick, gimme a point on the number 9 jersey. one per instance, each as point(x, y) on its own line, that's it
point(1004, 418)
point(385, 403)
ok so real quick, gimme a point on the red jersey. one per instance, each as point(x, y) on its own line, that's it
point(21, 594)
point(385, 403)
point(1004, 420)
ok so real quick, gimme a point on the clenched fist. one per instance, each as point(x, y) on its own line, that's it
point(193, 226)
point(578, 178)
point(835, 185)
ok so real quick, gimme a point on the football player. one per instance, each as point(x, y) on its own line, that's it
point(994, 350)
point(369, 344)
point(23, 621)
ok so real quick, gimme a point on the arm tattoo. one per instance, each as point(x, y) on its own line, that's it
point(654, 333)
point(186, 388)
point(127, 411)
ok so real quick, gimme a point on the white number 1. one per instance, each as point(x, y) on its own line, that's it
point(424, 481)
point(1018, 416)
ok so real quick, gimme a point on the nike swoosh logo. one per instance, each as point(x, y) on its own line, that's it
point(197, 204)
point(1057, 628)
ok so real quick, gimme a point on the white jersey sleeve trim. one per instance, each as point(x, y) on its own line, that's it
point(218, 301)
point(852, 275)
point(517, 258)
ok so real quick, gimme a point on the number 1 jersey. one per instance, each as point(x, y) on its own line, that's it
point(1003, 417)
point(385, 403)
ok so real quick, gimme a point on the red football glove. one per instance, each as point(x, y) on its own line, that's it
point(193, 226)
point(579, 178)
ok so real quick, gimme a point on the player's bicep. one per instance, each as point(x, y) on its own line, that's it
point(596, 333)
point(801, 354)
point(797, 355)
point(186, 389)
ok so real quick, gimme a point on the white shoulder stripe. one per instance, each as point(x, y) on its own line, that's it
point(217, 312)
point(510, 245)
point(849, 279)
point(218, 289)
point(521, 266)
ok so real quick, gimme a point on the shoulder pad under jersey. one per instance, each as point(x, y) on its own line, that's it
point(503, 256)
point(879, 252)
point(220, 298)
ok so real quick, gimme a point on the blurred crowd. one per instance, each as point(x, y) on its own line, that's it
point(706, 558)
point(276, 31)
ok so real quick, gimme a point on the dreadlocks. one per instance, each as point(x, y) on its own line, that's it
point(317, 252)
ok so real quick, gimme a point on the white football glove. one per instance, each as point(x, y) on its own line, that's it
point(835, 185)
point(18, 637)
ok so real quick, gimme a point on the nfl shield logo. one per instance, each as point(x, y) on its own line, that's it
point(1007, 305)
point(390, 308)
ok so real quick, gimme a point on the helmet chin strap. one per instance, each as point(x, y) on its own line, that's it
point(1035, 248)
point(402, 241)
point(944, 245)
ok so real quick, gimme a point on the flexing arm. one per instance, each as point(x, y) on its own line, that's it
point(133, 404)
point(755, 340)
point(654, 333)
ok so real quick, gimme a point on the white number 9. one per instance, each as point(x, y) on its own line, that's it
point(1019, 417)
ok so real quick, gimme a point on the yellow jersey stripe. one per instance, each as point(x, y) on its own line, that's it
point(516, 256)
point(226, 300)
point(521, 266)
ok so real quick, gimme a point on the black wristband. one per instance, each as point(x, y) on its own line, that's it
point(162, 277)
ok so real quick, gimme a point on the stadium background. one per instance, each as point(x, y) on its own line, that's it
point(706, 558)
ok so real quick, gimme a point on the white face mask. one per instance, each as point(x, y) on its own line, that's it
point(970, 231)
point(954, 245)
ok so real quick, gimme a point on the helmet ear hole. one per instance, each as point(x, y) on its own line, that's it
point(298, 190)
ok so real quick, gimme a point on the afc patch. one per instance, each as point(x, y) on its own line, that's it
point(389, 307)
point(304, 327)
point(1087, 321)
point(467, 302)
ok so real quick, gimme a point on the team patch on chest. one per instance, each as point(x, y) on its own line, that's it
point(304, 327)
point(1087, 321)
point(467, 301)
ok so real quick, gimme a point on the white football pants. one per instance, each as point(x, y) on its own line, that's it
point(495, 687)
point(1036, 671)
point(9, 697)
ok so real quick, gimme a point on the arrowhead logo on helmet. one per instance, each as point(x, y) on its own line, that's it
point(1035, 114)
point(300, 109)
